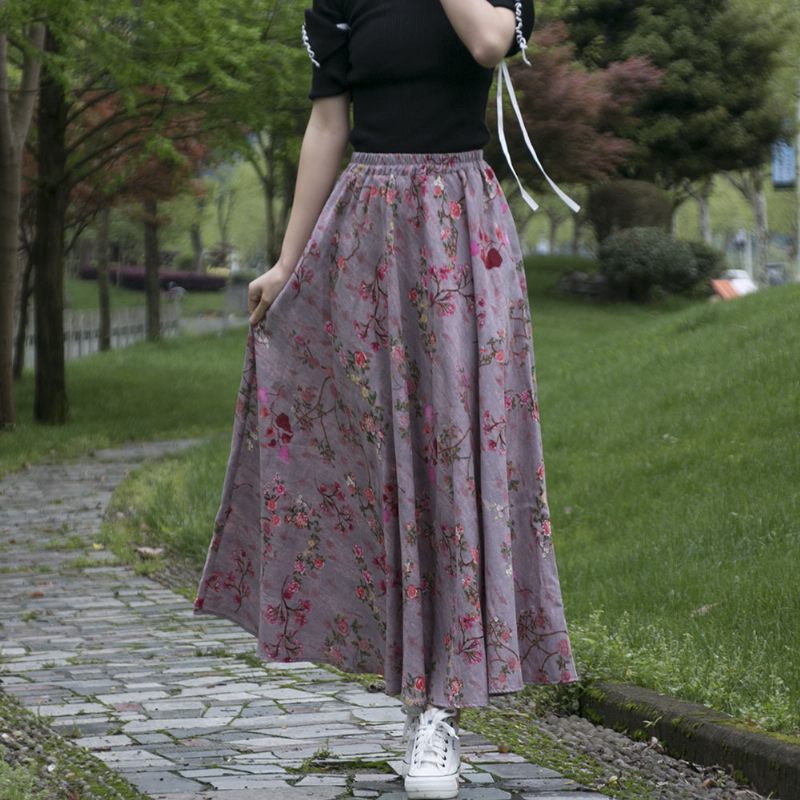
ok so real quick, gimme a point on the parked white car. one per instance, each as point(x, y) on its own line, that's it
point(740, 280)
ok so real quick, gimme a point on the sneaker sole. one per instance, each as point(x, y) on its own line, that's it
point(432, 788)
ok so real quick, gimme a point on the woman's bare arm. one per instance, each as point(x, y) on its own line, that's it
point(321, 153)
point(486, 30)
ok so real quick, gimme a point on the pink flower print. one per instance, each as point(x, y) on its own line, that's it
point(363, 291)
point(419, 683)
point(455, 209)
point(272, 613)
point(271, 504)
point(358, 550)
point(411, 591)
point(299, 566)
point(540, 471)
point(290, 590)
point(340, 263)
point(263, 395)
point(301, 519)
point(319, 562)
point(343, 626)
point(563, 648)
point(280, 488)
point(361, 592)
point(276, 520)
point(500, 356)
point(390, 196)
point(509, 402)
point(489, 173)
point(329, 327)
point(361, 358)
point(566, 677)
point(474, 247)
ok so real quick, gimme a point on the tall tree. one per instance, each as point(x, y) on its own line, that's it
point(17, 104)
point(715, 110)
point(579, 119)
point(160, 62)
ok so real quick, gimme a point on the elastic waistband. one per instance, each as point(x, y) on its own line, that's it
point(438, 162)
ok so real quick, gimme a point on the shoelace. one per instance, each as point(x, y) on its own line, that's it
point(432, 738)
point(505, 78)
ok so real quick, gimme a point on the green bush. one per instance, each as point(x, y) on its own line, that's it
point(710, 261)
point(626, 203)
point(637, 261)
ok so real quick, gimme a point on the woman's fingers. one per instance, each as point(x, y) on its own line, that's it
point(258, 312)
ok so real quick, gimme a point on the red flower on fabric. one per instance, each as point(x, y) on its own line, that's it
point(419, 683)
point(492, 258)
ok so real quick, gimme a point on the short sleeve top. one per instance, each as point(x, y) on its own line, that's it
point(414, 85)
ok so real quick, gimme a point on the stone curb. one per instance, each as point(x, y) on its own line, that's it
point(698, 733)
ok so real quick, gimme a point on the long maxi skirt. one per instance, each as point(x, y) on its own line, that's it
point(384, 507)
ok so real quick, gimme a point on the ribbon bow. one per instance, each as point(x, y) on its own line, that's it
point(505, 78)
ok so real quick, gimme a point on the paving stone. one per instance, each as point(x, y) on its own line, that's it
point(178, 724)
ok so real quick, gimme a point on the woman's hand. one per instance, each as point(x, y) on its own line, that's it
point(264, 289)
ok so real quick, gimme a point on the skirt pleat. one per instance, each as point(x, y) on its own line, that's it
point(384, 507)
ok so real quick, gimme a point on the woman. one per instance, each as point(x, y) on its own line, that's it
point(384, 507)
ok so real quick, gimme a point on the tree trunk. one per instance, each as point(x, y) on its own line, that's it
point(10, 192)
point(16, 114)
point(759, 203)
point(196, 235)
point(704, 203)
point(268, 182)
point(25, 292)
point(151, 264)
point(103, 295)
point(577, 230)
point(555, 224)
point(50, 401)
point(289, 180)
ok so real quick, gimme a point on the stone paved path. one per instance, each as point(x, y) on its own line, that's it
point(177, 703)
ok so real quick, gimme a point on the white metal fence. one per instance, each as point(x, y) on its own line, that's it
point(82, 330)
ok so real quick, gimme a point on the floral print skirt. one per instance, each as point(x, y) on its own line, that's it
point(384, 508)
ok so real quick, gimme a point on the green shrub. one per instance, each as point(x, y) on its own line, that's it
point(710, 261)
point(625, 203)
point(637, 260)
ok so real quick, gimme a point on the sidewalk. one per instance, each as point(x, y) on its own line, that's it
point(176, 703)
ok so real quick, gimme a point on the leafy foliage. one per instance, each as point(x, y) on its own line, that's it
point(625, 203)
point(636, 260)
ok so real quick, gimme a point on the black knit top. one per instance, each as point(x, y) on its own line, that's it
point(414, 85)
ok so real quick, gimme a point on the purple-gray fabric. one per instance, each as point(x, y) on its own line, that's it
point(384, 507)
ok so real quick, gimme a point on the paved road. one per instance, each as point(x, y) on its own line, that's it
point(172, 701)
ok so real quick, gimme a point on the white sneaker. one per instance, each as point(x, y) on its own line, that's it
point(435, 761)
point(409, 732)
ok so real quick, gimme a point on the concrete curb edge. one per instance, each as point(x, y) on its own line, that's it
point(698, 733)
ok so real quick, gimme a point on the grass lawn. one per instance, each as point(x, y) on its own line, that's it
point(82, 295)
point(672, 453)
point(181, 386)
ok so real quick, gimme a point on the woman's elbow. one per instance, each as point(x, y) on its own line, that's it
point(490, 50)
